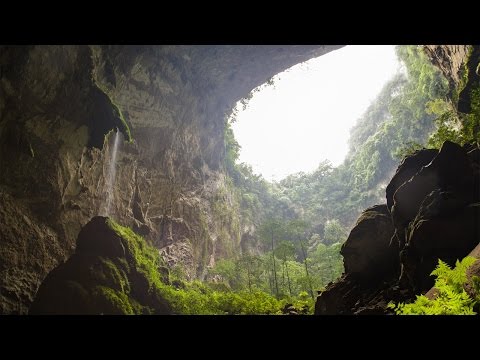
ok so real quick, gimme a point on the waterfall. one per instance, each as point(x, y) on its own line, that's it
point(110, 180)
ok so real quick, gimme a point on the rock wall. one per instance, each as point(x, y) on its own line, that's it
point(460, 65)
point(58, 107)
point(450, 59)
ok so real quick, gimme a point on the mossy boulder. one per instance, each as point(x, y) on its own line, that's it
point(113, 271)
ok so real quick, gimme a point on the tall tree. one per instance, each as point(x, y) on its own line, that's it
point(270, 231)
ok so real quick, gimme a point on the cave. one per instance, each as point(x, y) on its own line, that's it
point(58, 105)
point(65, 109)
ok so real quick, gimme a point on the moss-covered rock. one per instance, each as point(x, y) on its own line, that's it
point(113, 272)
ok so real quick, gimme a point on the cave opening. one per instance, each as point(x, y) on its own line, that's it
point(316, 145)
point(303, 115)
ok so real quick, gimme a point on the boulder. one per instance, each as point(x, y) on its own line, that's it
point(450, 170)
point(371, 267)
point(368, 250)
point(350, 295)
point(108, 274)
point(408, 167)
point(95, 238)
point(339, 297)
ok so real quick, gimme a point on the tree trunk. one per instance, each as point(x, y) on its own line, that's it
point(288, 276)
point(306, 270)
point(274, 267)
point(248, 276)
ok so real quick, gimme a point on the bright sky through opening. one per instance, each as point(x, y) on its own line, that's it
point(306, 117)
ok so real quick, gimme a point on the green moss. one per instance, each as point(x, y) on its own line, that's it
point(125, 129)
point(116, 113)
point(115, 276)
point(139, 309)
point(146, 259)
point(114, 302)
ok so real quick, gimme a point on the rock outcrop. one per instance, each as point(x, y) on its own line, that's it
point(373, 231)
point(106, 275)
point(460, 65)
point(58, 105)
point(435, 215)
point(371, 264)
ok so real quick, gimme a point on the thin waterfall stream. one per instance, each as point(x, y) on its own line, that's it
point(110, 180)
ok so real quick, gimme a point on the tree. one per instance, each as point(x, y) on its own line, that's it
point(286, 251)
point(297, 230)
point(334, 232)
point(252, 265)
point(270, 231)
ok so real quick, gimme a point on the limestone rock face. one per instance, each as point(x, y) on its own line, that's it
point(28, 248)
point(460, 65)
point(449, 59)
point(58, 107)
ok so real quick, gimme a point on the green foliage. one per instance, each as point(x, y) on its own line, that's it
point(408, 149)
point(117, 302)
point(186, 297)
point(205, 299)
point(145, 257)
point(295, 273)
point(451, 299)
point(334, 232)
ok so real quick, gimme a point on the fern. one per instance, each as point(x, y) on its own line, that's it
point(452, 298)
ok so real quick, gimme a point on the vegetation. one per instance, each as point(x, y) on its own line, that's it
point(116, 115)
point(301, 221)
point(187, 297)
point(455, 126)
point(397, 122)
point(124, 128)
point(452, 299)
point(289, 265)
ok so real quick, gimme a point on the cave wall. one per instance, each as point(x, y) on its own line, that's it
point(58, 105)
point(460, 65)
point(450, 59)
